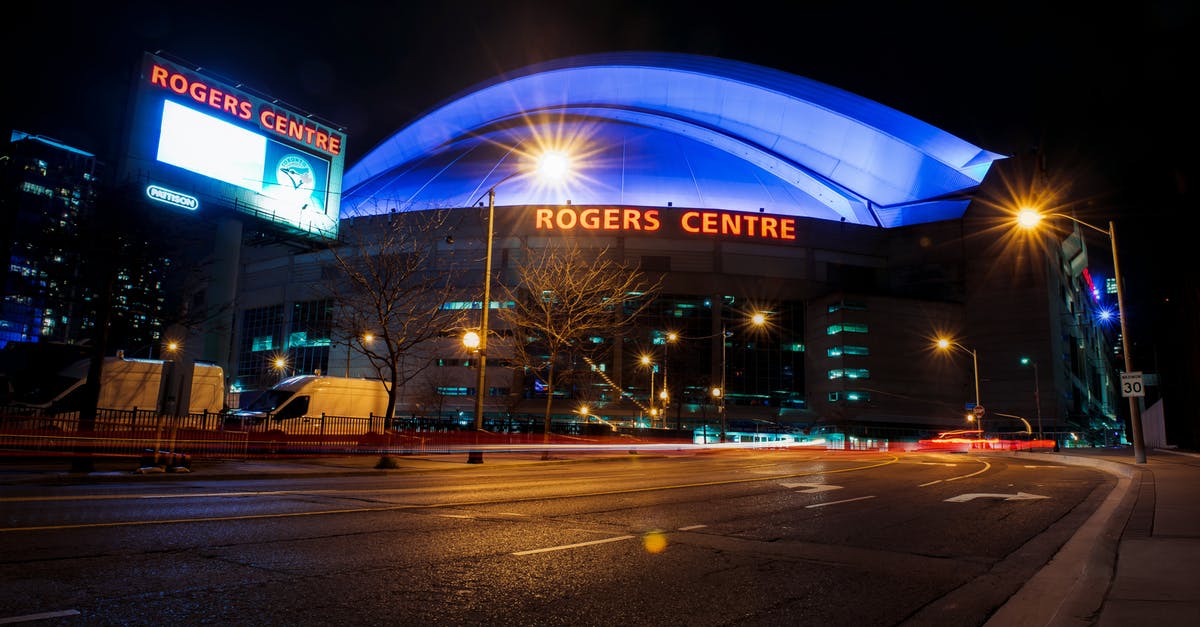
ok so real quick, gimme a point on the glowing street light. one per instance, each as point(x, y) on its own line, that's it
point(758, 319)
point(551, 165)
point(665, 395)
point(280, 364)
point(1030, 218)
point(363, 340)
point(649, 363)
point(946, 344)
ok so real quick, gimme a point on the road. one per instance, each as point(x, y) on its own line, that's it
point(729, 537)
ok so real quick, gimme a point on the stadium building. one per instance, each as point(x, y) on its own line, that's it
point(857, 230)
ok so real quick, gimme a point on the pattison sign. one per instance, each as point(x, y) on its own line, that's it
point(689, 221)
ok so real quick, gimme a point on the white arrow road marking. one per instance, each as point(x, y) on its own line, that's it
point(812, 487)
point(861, 498)
point(1019, 496)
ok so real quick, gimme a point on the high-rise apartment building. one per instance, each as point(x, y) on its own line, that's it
point(66, 256)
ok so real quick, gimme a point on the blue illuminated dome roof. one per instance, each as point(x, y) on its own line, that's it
point(657, 130)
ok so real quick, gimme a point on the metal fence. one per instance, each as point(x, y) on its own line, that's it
point(28, 431)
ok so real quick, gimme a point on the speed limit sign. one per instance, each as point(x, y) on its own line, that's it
point(1131, 385)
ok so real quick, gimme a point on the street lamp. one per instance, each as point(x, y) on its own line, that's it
point(757, 319)
point(1028, 219)
point(718, 394)
point(1037, 395)
point(646, 361)
point(280, 364)
point(665, 395)
point(945, 344)
point(551, 165)
point(363, 340)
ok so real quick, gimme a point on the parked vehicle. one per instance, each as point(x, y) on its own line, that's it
point(127, 384)
point(314, 404)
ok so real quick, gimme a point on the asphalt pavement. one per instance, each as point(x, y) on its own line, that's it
point(1135, 561)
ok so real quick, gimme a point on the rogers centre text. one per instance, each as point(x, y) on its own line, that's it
point(695, 221)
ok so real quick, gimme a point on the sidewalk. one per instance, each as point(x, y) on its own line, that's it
point(1135, 561)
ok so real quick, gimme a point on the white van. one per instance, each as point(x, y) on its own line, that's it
point(127, 384)
point(314, 404)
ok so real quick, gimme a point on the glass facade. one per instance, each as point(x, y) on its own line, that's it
point(267, 353)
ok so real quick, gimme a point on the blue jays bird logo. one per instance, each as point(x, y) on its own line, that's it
point(295, 173)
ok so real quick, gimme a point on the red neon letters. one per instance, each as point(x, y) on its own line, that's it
point(650, 220)
point(201, 93)
point(276, 121)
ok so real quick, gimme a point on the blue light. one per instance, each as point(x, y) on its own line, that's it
point(671, 130)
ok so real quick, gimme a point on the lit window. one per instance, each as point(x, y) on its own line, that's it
point(851, 397)
point(849, 305)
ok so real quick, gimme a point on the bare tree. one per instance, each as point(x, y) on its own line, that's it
point(387, 282)
point(563, 297)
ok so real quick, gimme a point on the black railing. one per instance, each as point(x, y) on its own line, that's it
point(26, 431)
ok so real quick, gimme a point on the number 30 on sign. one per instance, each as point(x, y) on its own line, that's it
point(1131, 384)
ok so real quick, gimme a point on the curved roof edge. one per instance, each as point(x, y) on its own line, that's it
point(793, 128)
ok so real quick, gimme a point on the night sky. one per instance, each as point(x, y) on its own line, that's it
point(1100, 90)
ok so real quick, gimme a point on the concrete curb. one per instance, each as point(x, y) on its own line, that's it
point(1069, 591)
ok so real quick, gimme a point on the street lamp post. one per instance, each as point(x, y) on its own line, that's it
point(946, 344)
point(1029, 218)
point(665, 395)
point(648, 363)
point(1037, 393)
point(718, 393)
point(362, 339)
point(476, 456)
point(550, 165)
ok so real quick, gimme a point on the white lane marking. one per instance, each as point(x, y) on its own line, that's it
point(691, 527)
point(572, 546)
point(812, 487)
point(1019, 496)
point(511, 514)
point(454, 516)
point(837, 502)
point(939, 464)
point(1031, 466)
point(32, 617)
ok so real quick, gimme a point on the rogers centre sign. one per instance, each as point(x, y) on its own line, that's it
point(227, 102)
point(688, 221)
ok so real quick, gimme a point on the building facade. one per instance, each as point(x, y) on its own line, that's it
point(736, 190)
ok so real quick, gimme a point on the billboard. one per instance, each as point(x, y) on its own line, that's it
point(197, 143)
